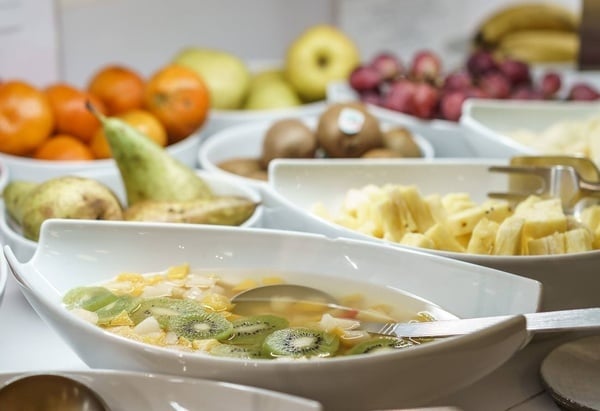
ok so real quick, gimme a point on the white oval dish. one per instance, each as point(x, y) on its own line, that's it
point(96, 250)
point(221, 185)
point(245, 141)
point(24, 168)
point(127, 390)
point(569, 280)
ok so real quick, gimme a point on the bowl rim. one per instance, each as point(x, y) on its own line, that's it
point(52, 303)
point(342, 232)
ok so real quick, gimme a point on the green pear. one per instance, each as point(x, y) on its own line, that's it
point(266, 76)
point(223, 210)
point(15, 196)
point(227, 77)
point(67, 197)
point(272, 94)
point(148, 171)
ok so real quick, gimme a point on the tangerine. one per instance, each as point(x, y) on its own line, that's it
point(26, 118)
point(63, 147)
point(70, 112)
point(142, 120)
point(120, 88)
point(179, 98)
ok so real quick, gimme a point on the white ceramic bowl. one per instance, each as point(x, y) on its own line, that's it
point(24, 168)
point(78, 252)
point(221, 185)
point(3, 277)
point(489, 123)
point(569, 280)
point(126, 390)
point(246, 141)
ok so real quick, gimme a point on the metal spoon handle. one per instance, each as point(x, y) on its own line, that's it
point(565, 320)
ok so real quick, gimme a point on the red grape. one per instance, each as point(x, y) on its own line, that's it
point(481, 62)
point(426, 98)
point(550, 84)
point(400, 97)
point(496, 85)
point(583, 92)
point(525, 92)
point(476, 92)
point(370, 97)
point(516, 71)
point(459, 80)
point(364, 78)
point(388, 66)
point(451, 105)
point(426, 65)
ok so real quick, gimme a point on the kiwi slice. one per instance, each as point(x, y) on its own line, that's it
point(88, 298)
point(380, 344)
point(237, 351)
point(125, 303)
point(300, 342)
point(164, 309)
point(253, 330)
point(200, 326)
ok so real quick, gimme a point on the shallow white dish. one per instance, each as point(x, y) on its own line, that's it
point(221, 185)
point(97, 250)
point(126, 390)
point(24, 168)
point(488, 123)
point(3, 277)
point(569, 280)
point(246, 141)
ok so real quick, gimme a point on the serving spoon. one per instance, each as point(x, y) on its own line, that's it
point(549, 321)
point(49, 392)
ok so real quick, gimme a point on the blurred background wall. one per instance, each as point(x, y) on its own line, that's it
point(146, 33)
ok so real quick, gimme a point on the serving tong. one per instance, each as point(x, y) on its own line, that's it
point(552, 176)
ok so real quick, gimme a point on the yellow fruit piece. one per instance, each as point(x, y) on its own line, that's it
point(178, 272)
point(417, 207)
point(216, 302)
point(443, 239)
point(418, 240)
point(132, 277)
point(578, 240)
point(463, 222)
point(245, 285)
point(121, 319)
point(508, 236)
point(483, 238)
point(539, 46)
point(549, 245)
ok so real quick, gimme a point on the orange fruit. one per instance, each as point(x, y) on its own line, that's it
point(26, 118)
point(63, 147)
point(142, 120)
point(70, 112)
point(120, 88)
point(179, 98)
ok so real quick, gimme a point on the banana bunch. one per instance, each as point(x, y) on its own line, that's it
point(531, 32)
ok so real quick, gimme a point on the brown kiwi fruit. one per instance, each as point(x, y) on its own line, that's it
point(241, 166)
point(348, 130)
point(381, 153)
point(402, 141)
point(288, 138)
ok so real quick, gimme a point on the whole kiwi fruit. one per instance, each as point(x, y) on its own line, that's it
point(402, 141)
point(348, 130)
point(288, 138)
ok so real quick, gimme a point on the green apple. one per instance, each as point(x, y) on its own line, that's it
point(227, 77)
point(266, 76)
point(271, 94)
point(320, 55)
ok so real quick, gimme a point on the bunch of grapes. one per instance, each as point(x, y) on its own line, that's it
point(422, 89)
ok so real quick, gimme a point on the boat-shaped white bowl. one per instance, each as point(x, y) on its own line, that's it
point(78, 252)
point(569, 280)
point(221, 185)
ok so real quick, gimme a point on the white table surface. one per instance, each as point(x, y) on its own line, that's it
point(28, 344)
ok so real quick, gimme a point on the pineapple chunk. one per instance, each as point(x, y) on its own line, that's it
point(455, 202)
point(497, 210)
point(417, 207)
point(443, 239)
point(551, 244)
point(542, 218)
point(508, 236)
point(417, 240)
point(483, 237)
point(578, 240)
point(436, 208)
point(394, 225)
point(464, 221)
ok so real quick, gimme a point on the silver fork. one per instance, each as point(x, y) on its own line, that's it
point(558, 181)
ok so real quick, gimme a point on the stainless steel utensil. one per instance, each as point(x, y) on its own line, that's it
point(558, 181)
point(550, 321)
point(49, 392)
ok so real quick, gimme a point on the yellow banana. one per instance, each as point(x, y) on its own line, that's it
point(539, 46)
point(528, 16)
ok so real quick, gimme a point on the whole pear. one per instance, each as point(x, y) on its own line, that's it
point(148, 171)
point(15, 198)
point(68, 197)
point(272, 94)
point(226, 76)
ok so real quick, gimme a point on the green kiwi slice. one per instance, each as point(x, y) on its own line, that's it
point(88, 298)
point(247, 352)
point(380, 344)
point(200, 326)
point(164, 309)
point(253, 330)
point(300, 342)
point(125, 303)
